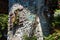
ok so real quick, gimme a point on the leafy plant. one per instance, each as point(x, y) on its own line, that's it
point(29, 38)
point(53, 36)
point(3, 24)
point(56, 18)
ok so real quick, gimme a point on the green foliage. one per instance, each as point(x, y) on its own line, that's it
point(59, 38)
point(57, 12)
point(29, 38)
point(55, 23)
point(53, 36)
point(56, 18)
point(3, 24)
point(0, 34)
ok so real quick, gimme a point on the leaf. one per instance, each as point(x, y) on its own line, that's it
point(3, 28)
point(0, 35)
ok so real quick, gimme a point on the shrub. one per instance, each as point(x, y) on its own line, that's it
point(29, 38)
point(3, 25)
point(53, 36)
point(56, 18)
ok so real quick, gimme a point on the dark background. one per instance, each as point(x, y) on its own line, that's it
point(3, 6)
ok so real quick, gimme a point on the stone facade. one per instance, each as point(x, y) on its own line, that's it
point(27, 23)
